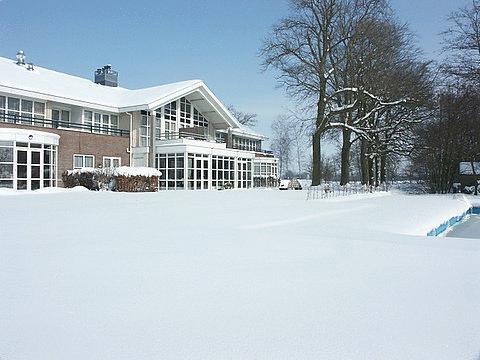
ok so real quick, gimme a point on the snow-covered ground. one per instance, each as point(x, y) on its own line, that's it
point(259, 274)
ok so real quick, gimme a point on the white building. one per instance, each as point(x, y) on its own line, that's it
point(181, 128)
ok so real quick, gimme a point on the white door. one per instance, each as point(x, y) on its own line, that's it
point(29, 169)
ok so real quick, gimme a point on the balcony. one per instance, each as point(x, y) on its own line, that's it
point(195, 135)
point(188, 135)
point(61, 125)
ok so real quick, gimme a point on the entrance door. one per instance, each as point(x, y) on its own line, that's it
point(34, 168)
point(28, 169)
point(22, 169)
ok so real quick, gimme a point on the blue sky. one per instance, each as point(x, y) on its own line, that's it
point(154, 42)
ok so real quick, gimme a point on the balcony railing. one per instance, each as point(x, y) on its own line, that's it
point(242, 147)
point(59, 124)
point(205, 137)
point(184, 135)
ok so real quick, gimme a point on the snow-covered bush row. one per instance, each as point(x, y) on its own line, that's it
point(125, 179)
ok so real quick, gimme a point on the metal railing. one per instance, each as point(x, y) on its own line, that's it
point(334, 189)
point(206, 137)
point(60, 124)
point(185, 135)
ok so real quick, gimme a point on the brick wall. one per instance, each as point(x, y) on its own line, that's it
point(76, 142)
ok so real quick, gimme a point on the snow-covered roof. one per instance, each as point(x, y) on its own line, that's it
point(27, 135)
point(51, 85)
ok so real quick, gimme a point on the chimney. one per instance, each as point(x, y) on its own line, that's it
point(106, 76)
point(20, 57)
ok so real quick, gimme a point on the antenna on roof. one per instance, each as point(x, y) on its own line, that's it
point(20, 57)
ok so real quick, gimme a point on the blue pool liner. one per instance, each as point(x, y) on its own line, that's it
point(453, 221)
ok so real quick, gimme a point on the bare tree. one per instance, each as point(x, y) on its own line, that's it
point(462, 43)
point(451, 137)
point(306, 48)
point(282, 143)
point(300, 139)
point(247, 119)
point(383, 86)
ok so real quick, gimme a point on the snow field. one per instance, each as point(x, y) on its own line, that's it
point(234, 275)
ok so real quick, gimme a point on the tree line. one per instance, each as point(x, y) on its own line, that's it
point(360, 81)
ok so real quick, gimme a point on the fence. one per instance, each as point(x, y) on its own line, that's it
point(332, 189)
point(59, 124)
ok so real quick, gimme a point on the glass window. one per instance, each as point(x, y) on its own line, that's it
point(78, 161)
point(35, 157)
point(22, 171)
point(6, 184)
point(21, 157)
point(109, 161)
point(83, 161)
point(87, 117)
point(199, 119)
point(105, 123)
point(97, 122)
point(35, 172)
point(185, 112)
point(46, 172)
point(172, 170)
point(6, 171)
point(55, 114)
point(6, 154)
point(3, 101)
point(89, 161)
point(114, 121)
point(47, 156)
point(170, 111)
point(39, 109)
point(65, 115)
point(35, 184)
point(13, 104)
point(27, 107)
point(144, 130)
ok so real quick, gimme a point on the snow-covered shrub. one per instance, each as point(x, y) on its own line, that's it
point(81, 177)
point(136, 179)
point(125, 179)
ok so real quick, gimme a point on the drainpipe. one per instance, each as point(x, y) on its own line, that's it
point(130, 142)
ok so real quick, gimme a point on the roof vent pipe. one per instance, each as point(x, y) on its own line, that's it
point(30, 67)
point(20, 57)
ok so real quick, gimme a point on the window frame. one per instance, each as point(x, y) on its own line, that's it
point(84, 156)
point(111, 159)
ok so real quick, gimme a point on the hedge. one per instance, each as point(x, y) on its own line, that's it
point(124, 179)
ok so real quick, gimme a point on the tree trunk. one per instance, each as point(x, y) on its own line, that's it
point(377, 170)
point(345, 168)
point(317, 167)
point(320, 126)
point(383, 169)
point(371, 171)
point(364, 162)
